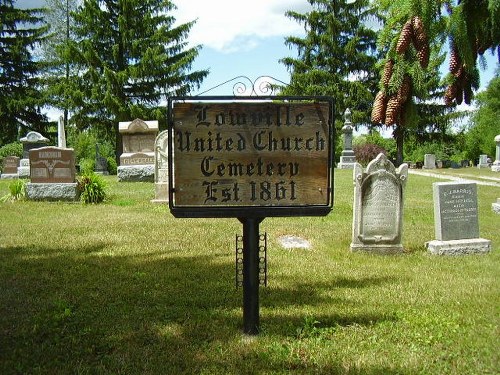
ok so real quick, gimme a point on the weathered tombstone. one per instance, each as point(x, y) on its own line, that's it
point(101, 164)
point(52, 174)
point(456, 221)
point(495, 167)
point(347, 158)
point(429, 161)
point(483, 161)
point(496, 206)
point(161, 167)
point(9, 167)
point(137, 159)
point(31, 141)
point(378, 206)
point(439, 164)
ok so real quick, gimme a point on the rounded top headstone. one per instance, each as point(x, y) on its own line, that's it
point(497, 138)
point(34, 137)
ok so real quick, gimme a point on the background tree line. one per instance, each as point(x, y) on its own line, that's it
point(105, 61)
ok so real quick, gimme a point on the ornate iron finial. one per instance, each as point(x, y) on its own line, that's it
point(347, 116)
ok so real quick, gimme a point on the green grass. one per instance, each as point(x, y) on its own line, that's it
point(125, 288)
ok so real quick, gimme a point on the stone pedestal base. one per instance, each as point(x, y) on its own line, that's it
point(496, 206)
point(346, 162)
point(161, 192)
point(9, 175)
point(378, 249)
point(52, 191)
point(143, 173)
point(495, 167)
point(459, 247)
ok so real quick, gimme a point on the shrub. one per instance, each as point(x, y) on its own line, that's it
point(87, 166)
point(367, 152)
point(11, 149)
point(17, 190)
point(92, 188)
point(112, 166)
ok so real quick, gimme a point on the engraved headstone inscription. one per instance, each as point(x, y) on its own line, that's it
point(456, 220)
point(378, 206)
point(137, 159)
point(52, 174)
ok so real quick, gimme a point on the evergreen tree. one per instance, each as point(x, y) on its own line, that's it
point(21, 101)
point(336, 57)
point(413, 38)
point(130, 57)
point(57, 69)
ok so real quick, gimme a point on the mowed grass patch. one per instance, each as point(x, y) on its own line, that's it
point(127, 288)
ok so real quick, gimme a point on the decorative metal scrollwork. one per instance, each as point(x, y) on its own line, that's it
point(244, 86)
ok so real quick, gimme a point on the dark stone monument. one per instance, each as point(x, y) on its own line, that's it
point(53, 174)
point(101, 164)
point(9, 167)
point(31, 141)
point(456, 221)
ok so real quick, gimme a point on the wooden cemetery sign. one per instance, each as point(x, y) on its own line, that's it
point(251, 157)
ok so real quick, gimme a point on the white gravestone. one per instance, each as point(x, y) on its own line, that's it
point(456, 221)
point(161, 168)
point(483, 161)
point(429, 161)
point(495, 167)
point(378, 207)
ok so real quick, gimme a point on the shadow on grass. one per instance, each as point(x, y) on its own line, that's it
point(83, 311)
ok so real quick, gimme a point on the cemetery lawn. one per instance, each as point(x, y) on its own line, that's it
point(125, 288)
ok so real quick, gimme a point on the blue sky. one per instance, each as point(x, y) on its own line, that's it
point(245, 38)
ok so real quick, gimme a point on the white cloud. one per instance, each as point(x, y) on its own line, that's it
point(229, 25)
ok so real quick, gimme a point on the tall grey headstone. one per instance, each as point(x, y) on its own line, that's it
point(101, 163)
point(31, 141)
point(161, 167)
point(496, 164)
point(456, 221)
point(137, 159)
point(429, 161)
point(347, 158)
point(378, 206)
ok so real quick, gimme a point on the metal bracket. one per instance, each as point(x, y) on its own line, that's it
point(262, 260)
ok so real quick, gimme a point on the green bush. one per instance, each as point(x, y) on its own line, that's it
point(112, 166)
point(17, 189)
point(92, 188)
point(87, 166)
point(11, 149)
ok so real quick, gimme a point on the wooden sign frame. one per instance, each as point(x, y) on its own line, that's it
point(217, 142)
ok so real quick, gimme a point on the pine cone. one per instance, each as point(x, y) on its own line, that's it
point(392, 112)
point(379, 106)
point(404, 90)
point(386, 76)
point(405, 38)
point(454, 61)
point(420, 38)
point(451, 93)
point(423, 56)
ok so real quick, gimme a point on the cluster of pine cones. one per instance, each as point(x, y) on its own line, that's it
point(460, 89)
point(388, 109)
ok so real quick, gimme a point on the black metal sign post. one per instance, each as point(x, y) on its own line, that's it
point(250, 158)
point(251, 274)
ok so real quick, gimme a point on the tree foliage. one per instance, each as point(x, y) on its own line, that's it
point(129, 56)
point(336, 56)
point(21, 101)
point(480, 138)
